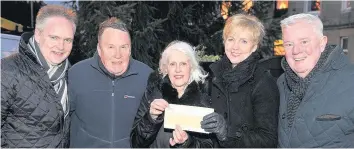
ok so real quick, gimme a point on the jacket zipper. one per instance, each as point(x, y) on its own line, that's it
point(228, 109)
point(113, 116)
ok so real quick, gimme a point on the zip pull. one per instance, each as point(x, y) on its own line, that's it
point(113, 88)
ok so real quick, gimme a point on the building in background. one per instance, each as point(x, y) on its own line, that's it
point(16, 17)
point(338, 21)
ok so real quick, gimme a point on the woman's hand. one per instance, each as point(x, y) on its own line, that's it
point(179, 136)
point(157, 107)
point(215, 123)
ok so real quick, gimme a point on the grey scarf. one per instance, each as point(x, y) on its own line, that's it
point(298, 86)
point(56, 73)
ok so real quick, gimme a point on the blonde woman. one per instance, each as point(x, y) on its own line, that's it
point(244, 94)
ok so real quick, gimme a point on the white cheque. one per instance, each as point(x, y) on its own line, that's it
point(188, 117)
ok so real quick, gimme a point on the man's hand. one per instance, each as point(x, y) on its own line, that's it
point(157, 107)
point(215, 123)
point(179, 136)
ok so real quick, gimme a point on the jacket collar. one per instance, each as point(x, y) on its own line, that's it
point(336, 58)
point(23, 48)
point(244, 71)
point(171, 95)
point(25, 53)
point(97, 64)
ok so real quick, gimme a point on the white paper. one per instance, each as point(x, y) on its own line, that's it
point(188, 117)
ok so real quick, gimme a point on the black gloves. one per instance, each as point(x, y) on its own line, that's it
point(215, 123)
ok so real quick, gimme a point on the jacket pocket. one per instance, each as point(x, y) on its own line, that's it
point(328, 117)
point(327, 121)
point(85, 140)
point(122, 143)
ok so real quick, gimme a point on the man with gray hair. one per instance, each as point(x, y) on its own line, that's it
point(316, 89)
point(105, 90)
point(34, 100)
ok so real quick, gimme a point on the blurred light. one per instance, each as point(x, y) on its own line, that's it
point(316, 5)
point(12, 26)
point(225, 9)
point(247, 4)
point(279, 48)
point(282, 4)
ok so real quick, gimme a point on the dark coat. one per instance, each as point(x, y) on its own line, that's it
point(325, 116)
point(31, 113)
point(150, 133)
point(248, 101)
point(104, 106)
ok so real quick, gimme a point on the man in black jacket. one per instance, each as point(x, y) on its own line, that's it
point(34, 107)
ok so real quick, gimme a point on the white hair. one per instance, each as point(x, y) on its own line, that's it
point(309, 18)
point(197, 72)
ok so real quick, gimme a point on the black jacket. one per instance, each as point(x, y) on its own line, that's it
point(150, 133)
point(31, 112)
point(248, 99)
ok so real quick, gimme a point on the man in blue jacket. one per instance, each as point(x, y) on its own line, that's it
point(316, 90)
point(105, 91)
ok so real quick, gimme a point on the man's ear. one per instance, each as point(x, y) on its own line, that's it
point(98, 49)
point(37, 34)
point(323, 43)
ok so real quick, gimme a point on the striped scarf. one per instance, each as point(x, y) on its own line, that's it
point(56, 73)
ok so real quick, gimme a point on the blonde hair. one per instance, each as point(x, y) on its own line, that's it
point(244, 22)
point(197, 73)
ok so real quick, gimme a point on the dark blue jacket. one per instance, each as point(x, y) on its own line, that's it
point(325, 116)
point(103, 107)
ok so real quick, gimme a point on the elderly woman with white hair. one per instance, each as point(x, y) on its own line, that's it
point(180, 80)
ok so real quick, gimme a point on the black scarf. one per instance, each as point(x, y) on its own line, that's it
point(56, 73)
point(298, 85)
point(240, 72)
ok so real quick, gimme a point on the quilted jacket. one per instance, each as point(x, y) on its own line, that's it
point(325, 117)
point(31, 112)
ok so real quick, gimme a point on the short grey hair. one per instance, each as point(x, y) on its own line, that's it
point(114, 23)
point(197, 73)
point(55, 11)
point(309, 18)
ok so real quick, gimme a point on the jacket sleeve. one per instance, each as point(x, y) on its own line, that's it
point(145, 128)
point(9, 88)
point(265, 106)
point(350, 136)
point(71, 94)
point(348, 94)
point(198, 142)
